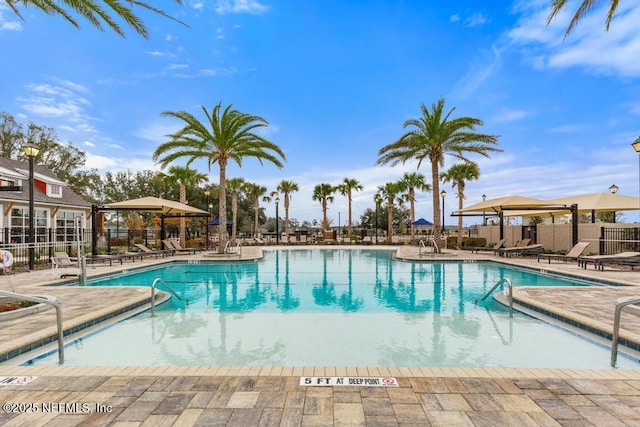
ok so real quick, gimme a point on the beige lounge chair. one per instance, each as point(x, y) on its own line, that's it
point(303, 238)
point(395, 240)
point(624, 258)
point(62, 260)
point(175, 246)
point(572, 255)
point(258, 240)
point(493, 248)
point(144, 249)
point(521, 250)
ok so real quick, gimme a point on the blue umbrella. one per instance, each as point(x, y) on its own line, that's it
point(216, 222)
point(422, 221)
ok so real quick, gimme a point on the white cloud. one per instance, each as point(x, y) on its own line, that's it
point(454, 18)
point(479, 73)
point(10, 26)
point(510, 116)
point(476, 20)
point(569, 128)
point(240, 6)
point(589, 46)
point(177, 66)
point(157, 130)
point(170, 37)
point(89, 144)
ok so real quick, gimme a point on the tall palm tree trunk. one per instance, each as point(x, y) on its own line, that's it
point(325, 223)
point(222, 207)
point(350, 226)
point(437, 220)
point(460, 206)
point(286, 215)
point(183, 223)
point(412, 201)
point(389, 220)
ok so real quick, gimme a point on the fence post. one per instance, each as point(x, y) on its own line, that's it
point(108, 232)
point(601, 245)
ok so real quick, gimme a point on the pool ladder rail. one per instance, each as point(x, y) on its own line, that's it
point(622, 303)
point(56, 305)
point(233, 251)
point(510, 295)
point(422, 247)
point(153, 293)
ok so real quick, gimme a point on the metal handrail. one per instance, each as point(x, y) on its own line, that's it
point(153, 293)
point(421, 246)
point(510, 286)
point(622, 303)
point(58, 316)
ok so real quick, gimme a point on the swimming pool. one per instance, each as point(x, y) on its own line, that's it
point(335, 307)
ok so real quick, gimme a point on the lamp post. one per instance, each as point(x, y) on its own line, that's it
point(613, 189)
point(338, 239)
point(484, 215)
point(443, 194)
point(277, 226)
point(31, 152)
point(206, 222)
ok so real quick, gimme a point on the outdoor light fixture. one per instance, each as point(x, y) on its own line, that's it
point(31, 151)
point(443, 194)
point(277, 227)
point(484, 215)
point(636, 146)
point(613, 189)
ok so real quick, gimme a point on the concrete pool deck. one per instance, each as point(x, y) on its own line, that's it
point(272, 395)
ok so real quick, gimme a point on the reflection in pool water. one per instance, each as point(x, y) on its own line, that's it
point(336, 308)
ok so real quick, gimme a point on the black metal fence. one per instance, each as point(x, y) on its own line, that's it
point(618, 240)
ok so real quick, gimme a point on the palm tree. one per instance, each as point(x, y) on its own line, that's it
point(255, 192)
point(226, 135)
point(184, 177)
point(388, 192)
point(235, 187)
point(286, 188)
point(432, 136)
point(348, 186)
point(459, 174)
point(585, 7)
point(93, 12)
point(323, 193)
point(410, 182)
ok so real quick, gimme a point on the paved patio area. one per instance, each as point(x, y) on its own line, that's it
point(272, 395)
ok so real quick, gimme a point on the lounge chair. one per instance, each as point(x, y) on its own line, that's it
point(258, 240)
point(63, 260)
point(150, 252)
point(493, 248)
point(366, 240)
point(625, 258)
point(303, 239)
point(572, 255)
point(175, 246)
point(395, 240)
point(528, 250)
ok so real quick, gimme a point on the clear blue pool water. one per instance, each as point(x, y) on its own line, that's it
point(335, 308)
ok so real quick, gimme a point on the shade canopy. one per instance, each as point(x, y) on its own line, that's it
point(217, 221)
point(587, 203)
point(421, 221)
point(505, 203)
point(155, 204)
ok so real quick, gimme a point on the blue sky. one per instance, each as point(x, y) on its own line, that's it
point(337, 79)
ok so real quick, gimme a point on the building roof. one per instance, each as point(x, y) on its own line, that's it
point(15, 170)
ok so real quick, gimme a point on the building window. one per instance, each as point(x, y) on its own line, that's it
point(65, 226)
point(20, 225)
point(54, 190)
